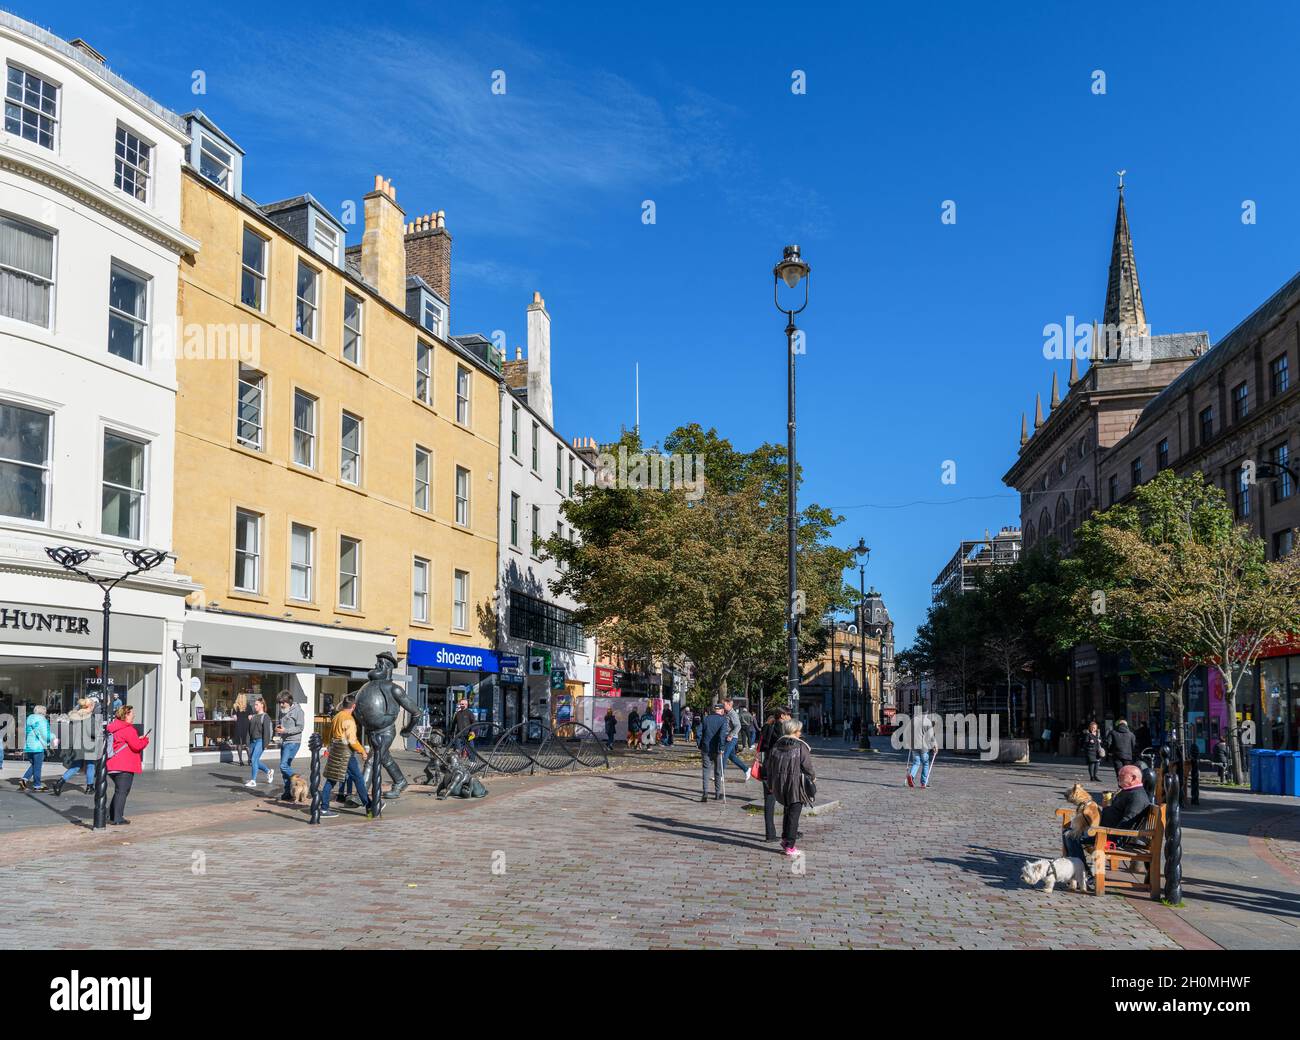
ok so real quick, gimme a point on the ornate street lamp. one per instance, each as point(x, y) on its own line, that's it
point(791, 270)
point(72, 559)
point(863, 554)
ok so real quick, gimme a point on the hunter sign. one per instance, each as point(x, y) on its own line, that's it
point(59, 627)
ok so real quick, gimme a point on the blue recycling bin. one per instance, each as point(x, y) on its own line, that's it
point(1289, 760)
point(1270, 772)
point(1255, 762)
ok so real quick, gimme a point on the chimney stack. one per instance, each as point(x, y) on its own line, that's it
point(539, 358)
point(428, 252)
point(383, 257)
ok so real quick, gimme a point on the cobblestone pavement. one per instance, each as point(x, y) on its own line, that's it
point(620, 859)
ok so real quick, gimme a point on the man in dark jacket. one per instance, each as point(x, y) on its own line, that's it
point(1127, 812)
point(1121, 747)
point(713, 745)
point(462, 720)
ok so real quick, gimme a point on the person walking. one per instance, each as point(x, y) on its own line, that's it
point(36, 740)
point(733, 737)
point(688, 719)
point(260, 732)
point(792, 781)
point(1094, 749)
point(346, 755)
point(667, 728)
point(462, 720)
point(80, 752)
point(924, 745)
point(611, 724)
point(289, 730)
point(767, 739)
point(1121, 747)
point(848, 730)
point(241, 713)
point(746, 728)
point(713, 747)
point(124, 747)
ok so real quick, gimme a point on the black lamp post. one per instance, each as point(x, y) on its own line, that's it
point(71, 559)
point(863, 554)
point(791, 270)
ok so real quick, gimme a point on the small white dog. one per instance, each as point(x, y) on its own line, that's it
point(1066, 871)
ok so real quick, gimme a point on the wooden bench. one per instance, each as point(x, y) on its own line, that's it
point(1148, 854)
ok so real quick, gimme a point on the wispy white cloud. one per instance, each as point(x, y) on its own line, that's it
point(417, 106)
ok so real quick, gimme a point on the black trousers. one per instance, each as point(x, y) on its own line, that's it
point(1092, 769)
point(769, 813)
point(121, 788)
point(790, 824)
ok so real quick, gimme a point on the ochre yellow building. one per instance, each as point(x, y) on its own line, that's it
point(336, 449)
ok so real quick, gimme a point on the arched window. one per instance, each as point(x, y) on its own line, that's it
point(1045, 524)
point(1063, 526)
point(1029, 534)
point(1082, 500)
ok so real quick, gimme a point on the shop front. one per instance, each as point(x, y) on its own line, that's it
point(443, 673)
point(51, 655)
point(234, 656)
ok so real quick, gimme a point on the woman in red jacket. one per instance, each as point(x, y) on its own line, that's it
point(124, 748)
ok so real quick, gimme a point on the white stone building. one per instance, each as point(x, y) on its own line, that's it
point(539, 471)
point(90, 243)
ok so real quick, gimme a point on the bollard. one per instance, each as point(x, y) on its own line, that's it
point(376, 785)
point(1173, 834)
point(313, 742)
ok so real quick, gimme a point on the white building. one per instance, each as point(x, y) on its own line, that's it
point(539, 471)
point(90, 243)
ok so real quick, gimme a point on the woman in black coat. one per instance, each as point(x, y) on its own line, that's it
point(1094, 749)
point(241, 713)
point(787, 775)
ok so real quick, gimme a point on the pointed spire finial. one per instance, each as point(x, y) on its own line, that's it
point(1121, 173)
point(1124, 308)
point(1024, 430)
point(1074, 368)
point(1038, 410)
point(1056, 393)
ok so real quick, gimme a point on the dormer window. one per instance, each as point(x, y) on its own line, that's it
point(325, 241)
point(215, 157)
point(215, 163)
point(434, 317)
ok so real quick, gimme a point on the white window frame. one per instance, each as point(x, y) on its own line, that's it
point(139, 324)
point(23, 106)
point(307, 569)
point(208, 146)
point(312, 304)
point(325, 240)
point(424, 392)
point(299, 431)
point(357, 330)
point(514, 430)
point(536, 457)
point(354, 575)
point(258, 276)
point(460, 600)
point(141, 175)
point(424, 486)
point(253, 554)
point(347, 454)
point(463, 500)
point(438, 324)
point(514, 520)
point(50, 280)
point(536, 532)
point(241, 382)
point(45, 467)
point(420, 597)
point(463, 399)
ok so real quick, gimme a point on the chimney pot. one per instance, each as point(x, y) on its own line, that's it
point(519, 353)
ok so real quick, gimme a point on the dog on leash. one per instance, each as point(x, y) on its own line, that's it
point(1087, 813)
point(299, 792)
point(1066, 871)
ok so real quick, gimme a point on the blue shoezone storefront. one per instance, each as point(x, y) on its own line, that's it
point(445, 672)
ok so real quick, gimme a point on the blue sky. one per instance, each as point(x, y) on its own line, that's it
point(924, 339)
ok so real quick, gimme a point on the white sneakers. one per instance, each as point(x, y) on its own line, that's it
point(250, 783)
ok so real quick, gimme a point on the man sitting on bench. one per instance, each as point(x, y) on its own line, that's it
point(1127, 811)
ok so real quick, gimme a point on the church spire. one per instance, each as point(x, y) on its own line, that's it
point(1038, 411)
point(1024, 430)
point(1074, 368)
point(1056, 393)
point(1123, 295)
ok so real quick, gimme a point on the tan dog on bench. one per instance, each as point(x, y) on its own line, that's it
point(1087, 813)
